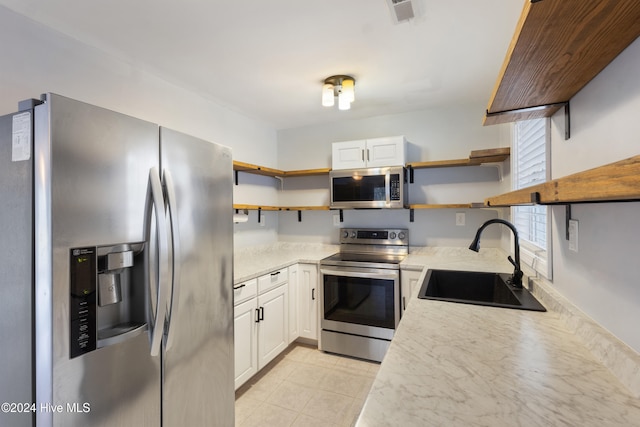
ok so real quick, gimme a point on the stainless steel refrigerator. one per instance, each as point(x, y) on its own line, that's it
point(115, 269)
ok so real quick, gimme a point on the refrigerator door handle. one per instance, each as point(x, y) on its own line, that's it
point(156, 321)
point(176, 255)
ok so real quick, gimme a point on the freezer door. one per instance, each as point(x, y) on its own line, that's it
point(91, 175)
point(198, 371)
point(16, 266)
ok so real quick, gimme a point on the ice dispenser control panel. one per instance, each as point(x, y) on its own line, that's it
point(83, 297)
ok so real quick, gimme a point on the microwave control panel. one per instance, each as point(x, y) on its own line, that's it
point(394, 190)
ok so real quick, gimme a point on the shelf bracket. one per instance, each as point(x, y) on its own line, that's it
point(535, 198)
point(499, 167)
point(236, 176)
point(259, 214)
point(281, 179)
point(299, 216)
point(341, 216)
point(411, 215)
point(567, 219)
point(410, 175)
point(567, 122)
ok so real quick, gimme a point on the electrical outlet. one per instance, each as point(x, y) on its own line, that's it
point(460, 218)
point(573, 235)
point(336, 220)
point(263, 219)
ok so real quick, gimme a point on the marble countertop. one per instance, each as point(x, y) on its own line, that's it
point(256, 261)
point(465, 365)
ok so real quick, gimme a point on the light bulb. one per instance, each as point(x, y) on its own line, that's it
point(344, 103)
point(327, 95)
point(348, 89)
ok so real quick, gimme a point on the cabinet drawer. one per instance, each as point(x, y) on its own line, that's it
point(245, 291)
point(270, 281)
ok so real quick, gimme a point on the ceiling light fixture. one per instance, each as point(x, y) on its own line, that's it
point(341, 86)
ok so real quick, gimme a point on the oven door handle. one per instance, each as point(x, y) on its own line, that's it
point(351, 273)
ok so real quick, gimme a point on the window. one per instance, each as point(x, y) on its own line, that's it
point(531, 166)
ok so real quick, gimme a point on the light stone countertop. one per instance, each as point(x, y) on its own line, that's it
point(455, 364)
point(256, 261)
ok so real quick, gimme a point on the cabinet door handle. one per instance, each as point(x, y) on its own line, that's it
point(235, 288)
point(367, 154)
point(261, 313)
point(313, 294)
point(404, 303)
point(363, 155)
point(257, 315)
point(275, 274)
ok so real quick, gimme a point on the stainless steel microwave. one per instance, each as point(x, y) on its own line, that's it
point(370, 188)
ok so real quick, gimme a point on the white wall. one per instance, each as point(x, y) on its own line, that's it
point(436, 134)
point(603, 278)
point(36, 59)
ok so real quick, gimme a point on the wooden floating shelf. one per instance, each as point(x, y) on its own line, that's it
point(280, 208)
point(559, 46)
point(256, 207)
point(443, 206)
point(307, 172)
point(478, 157)
point(618, 181)
point(304, 208)
point(255, 169)
point(262, 170)
point(326, 208)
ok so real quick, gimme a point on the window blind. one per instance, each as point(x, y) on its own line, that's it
point(530, 168)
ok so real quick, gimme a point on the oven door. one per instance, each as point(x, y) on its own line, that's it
point(360, 301)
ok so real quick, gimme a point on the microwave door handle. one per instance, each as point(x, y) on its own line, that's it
point(377, 275)
point(387, 188)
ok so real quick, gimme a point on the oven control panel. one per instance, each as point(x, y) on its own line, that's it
point(375, 236)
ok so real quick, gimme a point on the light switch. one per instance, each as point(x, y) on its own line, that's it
point(460, 218)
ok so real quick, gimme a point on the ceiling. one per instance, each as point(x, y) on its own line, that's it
point(268, 59)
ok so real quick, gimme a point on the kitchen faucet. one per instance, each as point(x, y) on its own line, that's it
point(516, 279)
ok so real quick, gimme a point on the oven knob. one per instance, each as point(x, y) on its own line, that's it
point(353, 234)
point(401, 235)
point(392, 235)
point(345, 234)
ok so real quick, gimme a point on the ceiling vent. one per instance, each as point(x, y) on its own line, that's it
point(401, 10)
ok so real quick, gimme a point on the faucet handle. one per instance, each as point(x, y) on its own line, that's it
point(516, 279)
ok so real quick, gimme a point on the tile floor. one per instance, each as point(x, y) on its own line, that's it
point(305, 387)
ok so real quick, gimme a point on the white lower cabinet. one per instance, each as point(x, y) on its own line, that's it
point(245, 342)
point(308, 300)
point(261, 323)
point(273, 325)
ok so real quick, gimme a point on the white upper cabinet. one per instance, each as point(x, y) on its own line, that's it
point(369, 153)
point(349, 154)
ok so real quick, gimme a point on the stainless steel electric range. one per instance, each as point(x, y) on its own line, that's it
point(360, 301)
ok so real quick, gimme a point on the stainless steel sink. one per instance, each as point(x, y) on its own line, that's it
point(479, 288)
